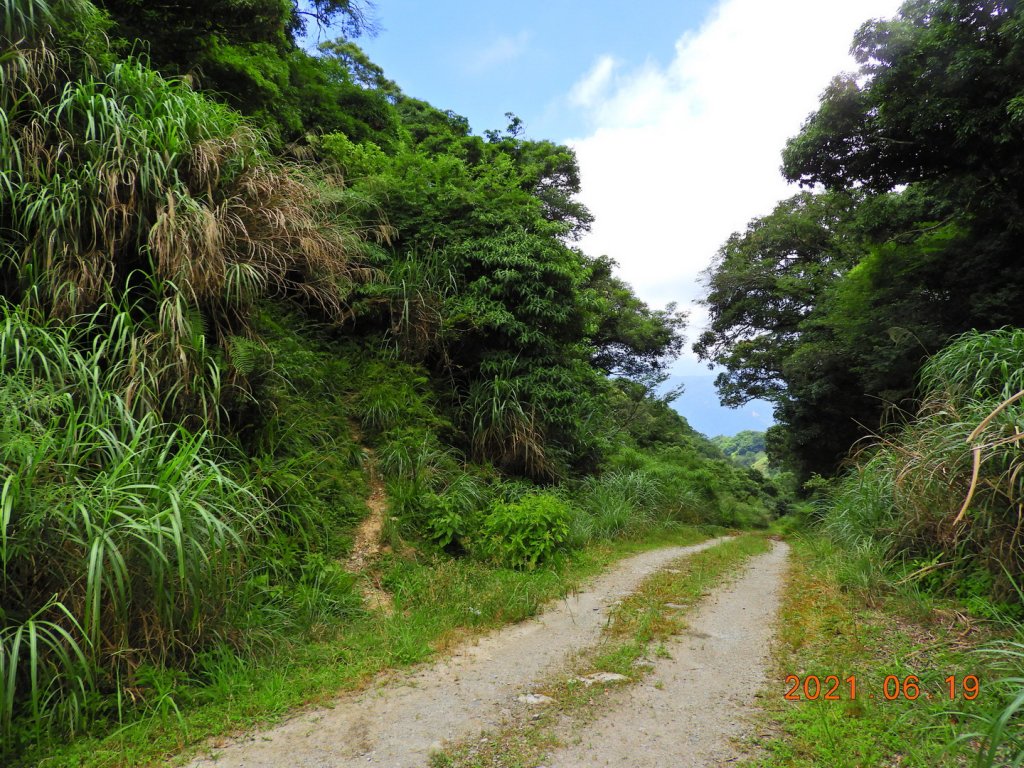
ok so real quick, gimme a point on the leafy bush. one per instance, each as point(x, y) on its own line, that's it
point(449, 527)
point(527, 532)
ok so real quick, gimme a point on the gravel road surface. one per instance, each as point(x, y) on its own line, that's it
point(399, 724)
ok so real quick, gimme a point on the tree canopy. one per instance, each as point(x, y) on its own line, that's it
point(246, 53)
point(911, 232)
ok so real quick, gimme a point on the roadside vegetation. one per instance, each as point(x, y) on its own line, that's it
point(242, 285)
point(907, 652)
point(923, 534)
point(829, 632)
point(937, 500)
point(879, 309)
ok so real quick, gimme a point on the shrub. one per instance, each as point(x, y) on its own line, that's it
point(128, 543)
point(527, 532)
point(449, 527)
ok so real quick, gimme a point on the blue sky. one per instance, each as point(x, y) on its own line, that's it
point(678, 112)
point(485, 59)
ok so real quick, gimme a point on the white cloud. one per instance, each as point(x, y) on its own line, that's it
point(588, 91)
point(501, 50)
point(681, 156)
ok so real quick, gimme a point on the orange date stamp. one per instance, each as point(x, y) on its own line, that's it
point(893, 687)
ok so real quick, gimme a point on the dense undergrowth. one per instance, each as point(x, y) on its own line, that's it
point(928, 521)
point(211, 342)
point(939, 497)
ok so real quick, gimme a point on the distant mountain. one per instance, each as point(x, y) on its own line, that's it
point(745, 448)
point(699, 405)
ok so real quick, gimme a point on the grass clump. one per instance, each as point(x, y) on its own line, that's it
point(939, 500)
point(684, 481)
point(999, 732)
point(121, 537)
point(617, 504)
point(124, 188)
point(137, 556)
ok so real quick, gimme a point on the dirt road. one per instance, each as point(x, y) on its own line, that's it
point(687, 711)
point(474, 688)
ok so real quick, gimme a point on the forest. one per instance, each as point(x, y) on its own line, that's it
point(250, 293)
point(243, 286)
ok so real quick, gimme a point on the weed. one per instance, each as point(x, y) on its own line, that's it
point(135, 191)
point(938, 501)
point(525, 533)
point(826, 630)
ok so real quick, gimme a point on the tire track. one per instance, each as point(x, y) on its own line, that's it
point(692, 706)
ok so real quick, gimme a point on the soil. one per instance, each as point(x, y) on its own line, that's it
point(367, 546)
point(475, 688)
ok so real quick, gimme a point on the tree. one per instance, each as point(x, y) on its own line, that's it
point(549, 171)
point(936, 105)
point(937, 99)
point(631, 340)
point(829, 305)
point(764, 283)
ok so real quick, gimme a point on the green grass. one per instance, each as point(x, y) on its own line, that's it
point(637, 628)
point(939, 497)
point(825, 630)
point(439, 601)
point(123, 540)
point(999, 732)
